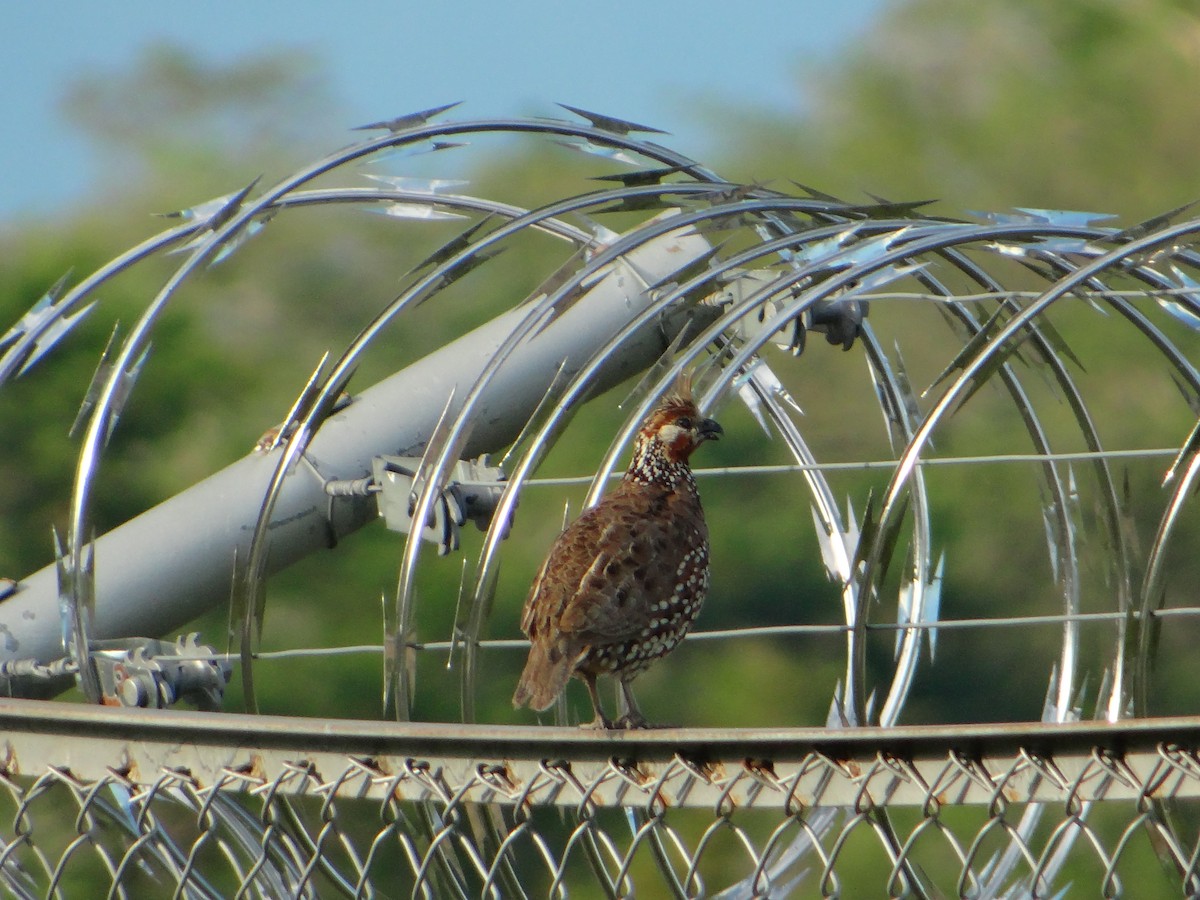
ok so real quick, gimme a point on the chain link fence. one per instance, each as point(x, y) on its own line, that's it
point(105, 802)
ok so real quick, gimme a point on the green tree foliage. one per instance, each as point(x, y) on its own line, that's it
point(1072, 105)
point(173, 123)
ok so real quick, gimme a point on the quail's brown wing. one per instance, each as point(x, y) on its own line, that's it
point(570, 558)
point(634, 571)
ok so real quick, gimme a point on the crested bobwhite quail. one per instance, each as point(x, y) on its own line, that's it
point(623, 583)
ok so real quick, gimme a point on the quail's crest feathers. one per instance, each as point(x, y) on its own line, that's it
point(668, 435)
point(679, 394)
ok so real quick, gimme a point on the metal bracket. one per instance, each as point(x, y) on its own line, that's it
point(152, 673)
point(839, 318)
point(472, 493)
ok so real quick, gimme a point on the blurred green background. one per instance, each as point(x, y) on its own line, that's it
point(1071, 105)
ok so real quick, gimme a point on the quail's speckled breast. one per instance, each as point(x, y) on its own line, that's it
point(625, 581)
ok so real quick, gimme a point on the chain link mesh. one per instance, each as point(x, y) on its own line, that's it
point(125, 804)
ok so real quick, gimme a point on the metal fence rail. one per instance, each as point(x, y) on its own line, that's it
point(202, 804)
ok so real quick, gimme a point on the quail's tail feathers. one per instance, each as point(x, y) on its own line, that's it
point(543, 679)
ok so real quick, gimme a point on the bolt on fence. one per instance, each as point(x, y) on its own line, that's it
point(729, 281)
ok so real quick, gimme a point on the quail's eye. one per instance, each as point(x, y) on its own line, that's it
point(685, 423)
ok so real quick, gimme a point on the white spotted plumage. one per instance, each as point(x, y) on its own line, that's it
point(623, 584)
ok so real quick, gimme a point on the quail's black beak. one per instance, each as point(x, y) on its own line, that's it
point(709, 430)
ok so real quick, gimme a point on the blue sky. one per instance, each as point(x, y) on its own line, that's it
point(657, 63)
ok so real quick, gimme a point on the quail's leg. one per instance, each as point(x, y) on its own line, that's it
point(601, 721)
point(633, 717)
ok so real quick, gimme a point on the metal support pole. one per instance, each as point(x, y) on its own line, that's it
point(175, 561)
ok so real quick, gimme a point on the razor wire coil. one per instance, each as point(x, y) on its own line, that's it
point(470, 822)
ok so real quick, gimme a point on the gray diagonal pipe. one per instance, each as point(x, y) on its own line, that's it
point(174, 562)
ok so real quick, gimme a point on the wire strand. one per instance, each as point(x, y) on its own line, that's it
point(725, 634)
point(990, 459)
